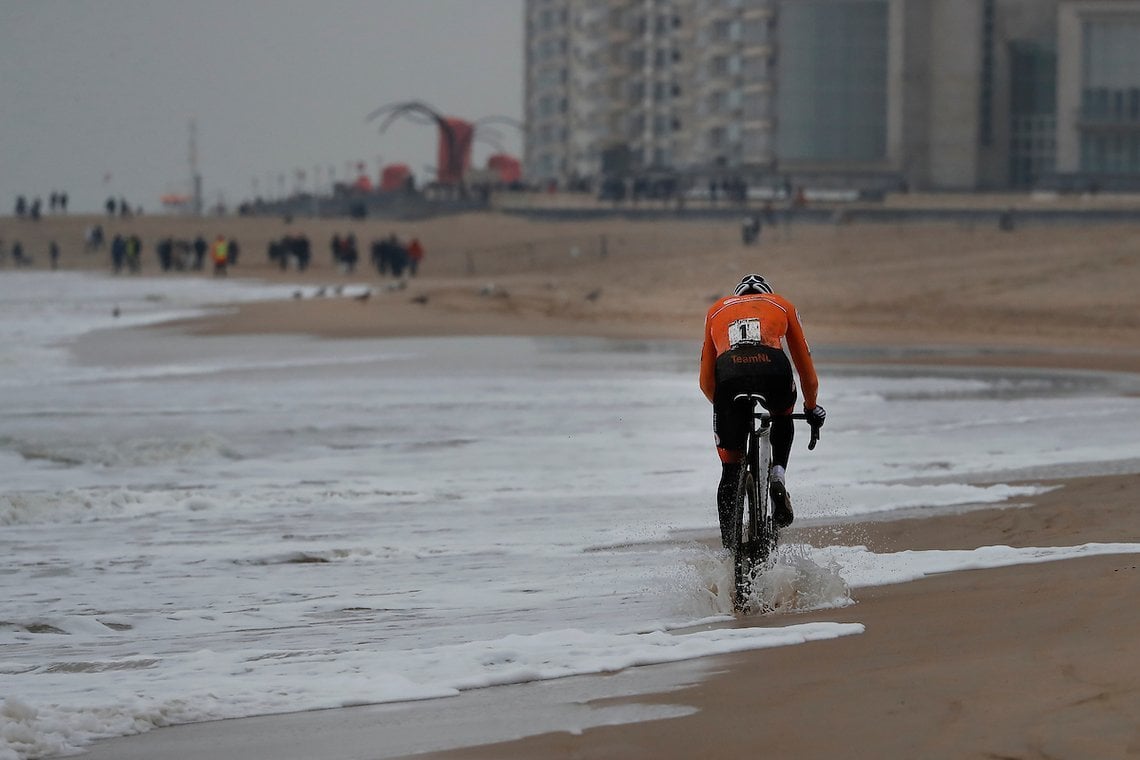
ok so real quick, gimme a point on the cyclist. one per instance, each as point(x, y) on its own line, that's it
point(743, 353)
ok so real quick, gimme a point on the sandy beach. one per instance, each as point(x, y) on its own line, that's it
point(1031, 661)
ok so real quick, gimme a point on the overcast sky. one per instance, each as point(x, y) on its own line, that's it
point(91, 89)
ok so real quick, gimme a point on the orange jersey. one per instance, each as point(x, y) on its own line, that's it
point(756, 318)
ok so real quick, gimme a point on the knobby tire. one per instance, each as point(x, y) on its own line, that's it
point(753, 530)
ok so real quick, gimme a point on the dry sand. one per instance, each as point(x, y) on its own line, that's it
point(1037, 661)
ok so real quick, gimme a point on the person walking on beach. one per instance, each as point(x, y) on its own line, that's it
point(219, 255)
point(134, 254)
point(397, 257)
point(750, 229)
point(118, 253)
point(18, 257)
point(743, 353)
point(415, 256)
point(348, 253)
point(303, 250)
point(53, 254)
point(200, 247)
point(165, 250)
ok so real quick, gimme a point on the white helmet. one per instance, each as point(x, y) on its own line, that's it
point(752, 283)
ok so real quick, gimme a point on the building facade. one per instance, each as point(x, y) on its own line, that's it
point(1098, 94)
point(926, 94)
point(648, 85)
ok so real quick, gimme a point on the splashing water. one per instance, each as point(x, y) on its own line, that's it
point(793, 581)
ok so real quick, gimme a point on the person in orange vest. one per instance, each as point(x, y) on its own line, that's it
point(220, 255)
point(415, 255)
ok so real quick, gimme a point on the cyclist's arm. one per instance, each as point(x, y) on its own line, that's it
point(708, 365)
point(801, 357)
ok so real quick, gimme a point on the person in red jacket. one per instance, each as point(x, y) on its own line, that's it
point(743, 352)
point(415, 255)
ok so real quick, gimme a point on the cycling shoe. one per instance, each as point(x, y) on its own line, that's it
point(781, 505)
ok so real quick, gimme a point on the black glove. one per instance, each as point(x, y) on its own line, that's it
point(815, 416)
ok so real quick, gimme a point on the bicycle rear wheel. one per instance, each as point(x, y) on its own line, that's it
point(754, 531)
point(741, 561)
point(747, 538)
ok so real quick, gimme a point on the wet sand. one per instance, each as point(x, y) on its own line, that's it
point(1028, 661)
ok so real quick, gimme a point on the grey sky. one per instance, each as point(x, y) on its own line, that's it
point(96, 87)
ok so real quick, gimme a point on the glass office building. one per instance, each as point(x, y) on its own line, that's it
point(832, 98)
point(1110, 96)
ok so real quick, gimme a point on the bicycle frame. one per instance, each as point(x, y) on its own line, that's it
point(755, 534)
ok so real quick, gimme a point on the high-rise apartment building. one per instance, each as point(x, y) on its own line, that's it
point(651, 84)
point(936, 94)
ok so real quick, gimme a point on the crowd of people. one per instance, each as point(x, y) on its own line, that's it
point(173, 254)
point(33, 209)
point(292, 251)
point(392, 256)
point(388, 255)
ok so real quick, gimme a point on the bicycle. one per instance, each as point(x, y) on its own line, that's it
point(754, 534)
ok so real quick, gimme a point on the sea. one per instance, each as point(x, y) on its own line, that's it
point(203, 527)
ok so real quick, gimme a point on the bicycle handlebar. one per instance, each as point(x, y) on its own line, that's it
point(756, 399)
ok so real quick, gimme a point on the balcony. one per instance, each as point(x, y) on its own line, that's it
point(1109, 110)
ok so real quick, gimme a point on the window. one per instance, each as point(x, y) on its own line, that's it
point(755, 32)
point(755, 68)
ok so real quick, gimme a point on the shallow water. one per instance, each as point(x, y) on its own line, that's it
point(214, 527)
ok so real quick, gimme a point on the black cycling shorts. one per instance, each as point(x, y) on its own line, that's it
point(749, 369)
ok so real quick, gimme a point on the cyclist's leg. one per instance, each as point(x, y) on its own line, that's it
point(781, 395)
point(730, 428)
point(783, 434)
point(727, 494)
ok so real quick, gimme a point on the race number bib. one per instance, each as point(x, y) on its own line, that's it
point(744, 331)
